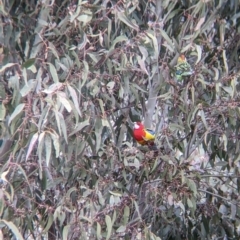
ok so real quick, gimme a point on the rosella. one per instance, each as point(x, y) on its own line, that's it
point(183, 68)
point(144, 136)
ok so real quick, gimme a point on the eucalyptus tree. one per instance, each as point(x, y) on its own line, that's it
point(74, 77)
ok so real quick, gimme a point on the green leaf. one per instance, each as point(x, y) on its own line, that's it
point(63, 127)
point(111, 85)
point(79, 127)
point(28, 63)
point(189, 202)
point(221, 164)
point(122, 17)
point(167, 38)
point(200, 23)
point(109, 226)
point(233, 209)
point(55, 139)
point(53, 88)
point(199, 53)
point(17, 111)
point(64, 66)
point(70, 191)
point(53, 72)
point(142, 65)
point(32, 144)
point(121, 229)
point(3, 68)
point(65, 232)
point(85, 18)
point(117, 194)
point(192, 115)
point(137, 87)
point(4, 174)
point(126, 215)
point(25, 90)
point(40, 148)
point(117, 40)
point(2, 111)
point(53, 49)
point(13, 228)
point(192, 186)
point(49, 223)
point(151, 35)
point(64, 101)
point(98, 133)
point(225, 141)
point(202, 115)
point(48, 148)
point(137, 209)
point(57, 117)
point(24, 174)
point(99, 236)
point(76, 13)
point(225, 60)
point(74, 98)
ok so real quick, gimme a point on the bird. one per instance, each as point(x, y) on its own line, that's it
point(183, 68)
point(144, 136)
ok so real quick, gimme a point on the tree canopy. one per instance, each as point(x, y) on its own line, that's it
point(75, 75)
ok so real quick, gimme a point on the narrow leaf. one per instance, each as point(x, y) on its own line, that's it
point(3, 175)
point(53, 72)
point(58, 122)
point(17, 110)
point(99, 236)
point(166, 37)
point(48, 148)
point(65, 232)
point(109, 226)
point(56, 144)
point(189, 202)
point(32, 143)
point(199, 24)
point(28, 63)
point(2, 112)
point(53, 88)
point(121, 229)
point(122, 17)
point(40, 149)
point(63, 100)
point(13, 228)
point(6, 66)
point(74, 98)
point(199, 53)
point(117, 40)
point(80, 126)
point(63, 126)
point(49, 223)
point(151, 35)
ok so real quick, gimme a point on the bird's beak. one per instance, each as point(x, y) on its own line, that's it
point(135, 125)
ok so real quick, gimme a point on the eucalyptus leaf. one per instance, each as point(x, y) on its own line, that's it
point(109, 226)
point(53, 72)
point(2, 112)
point(123, 17)
point(15, 113)
point(13, 228)
point(32, 144)
point(29, 63)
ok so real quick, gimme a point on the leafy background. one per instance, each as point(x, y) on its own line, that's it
point(74, 77)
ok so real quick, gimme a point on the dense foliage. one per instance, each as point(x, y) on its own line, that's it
point(74, 77)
